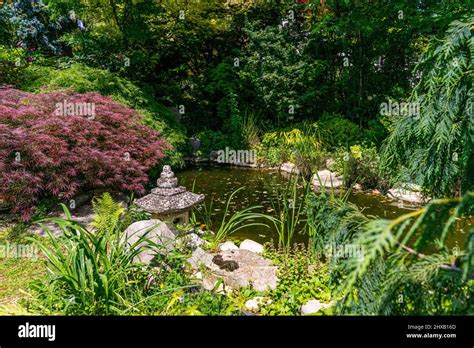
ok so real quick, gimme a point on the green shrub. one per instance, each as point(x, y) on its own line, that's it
point(359, 165)
point(211, 141)
point(340, 131)
point(400, 260)
point(231, 223)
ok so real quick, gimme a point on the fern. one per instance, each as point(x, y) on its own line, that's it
point(107, 213)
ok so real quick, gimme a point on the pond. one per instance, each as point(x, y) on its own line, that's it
point(218, 183)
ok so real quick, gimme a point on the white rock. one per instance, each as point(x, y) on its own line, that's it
point(251, 246)
point(328, 179)
point(289, 168)
point(228, 246)
point(407, 196)
point(255, 303)
point(313, 306)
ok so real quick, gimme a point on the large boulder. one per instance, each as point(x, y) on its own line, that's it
point(237, 268)
point(154, 230)
point(327, 179)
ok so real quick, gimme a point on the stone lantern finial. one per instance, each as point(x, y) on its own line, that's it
point(167, 179)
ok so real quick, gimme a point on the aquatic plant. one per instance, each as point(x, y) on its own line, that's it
point(238, 220)
point(289, 208)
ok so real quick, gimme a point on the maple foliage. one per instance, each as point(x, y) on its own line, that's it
point(45, 153)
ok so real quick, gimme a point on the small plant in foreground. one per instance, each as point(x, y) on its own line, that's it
point(302, 277)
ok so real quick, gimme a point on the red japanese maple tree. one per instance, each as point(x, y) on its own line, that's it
point(49, 147)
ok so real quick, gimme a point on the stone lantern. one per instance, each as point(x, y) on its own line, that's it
point(168, 201)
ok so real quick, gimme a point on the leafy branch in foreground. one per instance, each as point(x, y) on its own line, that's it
point(436, 148)
point(429, 265)
point(408, 265)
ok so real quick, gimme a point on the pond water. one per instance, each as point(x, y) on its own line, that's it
point(218, 183)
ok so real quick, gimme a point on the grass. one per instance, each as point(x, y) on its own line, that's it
point(15, 277)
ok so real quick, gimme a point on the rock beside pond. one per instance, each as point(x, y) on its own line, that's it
point(154, 230)
point(327, 179)
point(228, 246)
point(237, 268)
point(289, 168)
point(407, 196)
point(313, 306)
point(251, 246)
